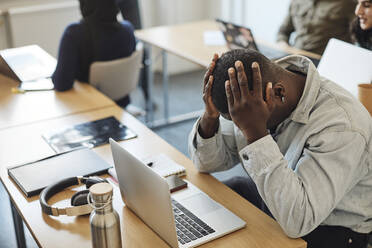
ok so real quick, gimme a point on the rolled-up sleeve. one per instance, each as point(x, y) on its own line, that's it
point(301, 199)
point(216, 153)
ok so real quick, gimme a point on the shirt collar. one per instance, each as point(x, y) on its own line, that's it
point(311, 89)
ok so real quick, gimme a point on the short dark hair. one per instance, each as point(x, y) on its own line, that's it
point(227, 60)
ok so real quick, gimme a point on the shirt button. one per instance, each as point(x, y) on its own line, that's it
point(245, 156)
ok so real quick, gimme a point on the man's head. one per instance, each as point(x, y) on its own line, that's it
point(227, 60)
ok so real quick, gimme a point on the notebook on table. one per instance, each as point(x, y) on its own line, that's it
point(161, 164)
point(35, 176)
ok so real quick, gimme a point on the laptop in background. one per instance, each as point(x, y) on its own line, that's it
point(30, 65)
point(346, 64)
point(239, 37)
point(188, 218)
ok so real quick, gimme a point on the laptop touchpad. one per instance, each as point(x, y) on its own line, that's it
point(200, 204)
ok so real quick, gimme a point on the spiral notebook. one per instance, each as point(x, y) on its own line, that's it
point(165, 166)
point(161, 164)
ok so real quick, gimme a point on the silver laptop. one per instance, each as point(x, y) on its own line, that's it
point(346, 65)
point(30, 65)
point(188, 218)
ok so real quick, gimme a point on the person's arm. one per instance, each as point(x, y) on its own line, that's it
point(212, 141)
point(301, 200)
point(67, 65)
point(130, 39)
point(216, 153)
point(285, 29)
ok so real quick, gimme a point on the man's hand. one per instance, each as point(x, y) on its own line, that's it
point(208, 124)
point(248, 109)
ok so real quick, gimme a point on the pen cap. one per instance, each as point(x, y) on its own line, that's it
point(101, 193)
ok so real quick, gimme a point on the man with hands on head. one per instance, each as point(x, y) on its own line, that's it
point(305, 142)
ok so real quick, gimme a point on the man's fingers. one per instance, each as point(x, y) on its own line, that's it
point(209, 86)
point(242, 80)
point(257, 80)
point(230, 98)
point(234, 84)
point(270, 97)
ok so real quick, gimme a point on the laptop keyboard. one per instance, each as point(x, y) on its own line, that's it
point(188, 226)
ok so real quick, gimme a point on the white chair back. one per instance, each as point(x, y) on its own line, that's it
point(117, 78)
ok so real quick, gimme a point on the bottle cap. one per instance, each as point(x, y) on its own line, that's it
point(101, 192)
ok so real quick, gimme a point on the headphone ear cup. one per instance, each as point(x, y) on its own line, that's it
point(80, 198)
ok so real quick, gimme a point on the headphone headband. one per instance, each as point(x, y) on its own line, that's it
point(57, 187)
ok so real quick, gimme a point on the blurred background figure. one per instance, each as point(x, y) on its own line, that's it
point(314, 22)
point(361, 27)
point(97, 37)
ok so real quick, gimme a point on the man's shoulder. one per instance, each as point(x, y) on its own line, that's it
point(339, 108)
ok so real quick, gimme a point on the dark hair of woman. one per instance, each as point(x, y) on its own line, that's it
point(360, 36)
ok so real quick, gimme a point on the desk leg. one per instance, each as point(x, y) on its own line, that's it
point(165, 86)
point(150, 84)
point(18, 227)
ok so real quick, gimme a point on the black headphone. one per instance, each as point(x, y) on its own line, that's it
point(79, 202)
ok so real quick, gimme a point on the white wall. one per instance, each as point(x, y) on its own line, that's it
point(42, 24)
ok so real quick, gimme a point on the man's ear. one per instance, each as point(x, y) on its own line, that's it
point(279, 91)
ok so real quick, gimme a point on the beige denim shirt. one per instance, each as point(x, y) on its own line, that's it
point(316, 169)
point(314, 22)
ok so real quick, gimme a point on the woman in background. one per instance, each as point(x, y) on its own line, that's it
point(361, 27)
point(97, 37)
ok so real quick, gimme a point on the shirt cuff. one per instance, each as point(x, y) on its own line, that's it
point(259, 157)
point(200, 141)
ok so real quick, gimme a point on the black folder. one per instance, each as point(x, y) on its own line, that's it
point(88, 134)
point(35, 176)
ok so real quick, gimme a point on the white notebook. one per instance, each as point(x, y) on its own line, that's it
point(164, 165)
point(161, 164)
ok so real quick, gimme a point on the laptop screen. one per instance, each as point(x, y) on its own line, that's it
point(237, 37)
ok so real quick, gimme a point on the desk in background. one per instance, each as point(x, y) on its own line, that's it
point(63, 231)
point(186, 41)
point(29, 107)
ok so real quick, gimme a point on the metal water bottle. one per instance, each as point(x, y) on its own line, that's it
point(104, 220)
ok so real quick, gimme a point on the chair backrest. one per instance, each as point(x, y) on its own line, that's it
point(117, 78)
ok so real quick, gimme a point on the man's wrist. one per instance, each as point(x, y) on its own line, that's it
point(208, 126)
point(253, 136)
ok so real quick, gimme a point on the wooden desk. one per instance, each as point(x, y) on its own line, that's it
point(18, 109)
point(261, 230)
point(186, 41)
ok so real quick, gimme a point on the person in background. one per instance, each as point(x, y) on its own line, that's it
point(314, 22)
point(97, 37)
point(305, 142)
point(361, 27)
